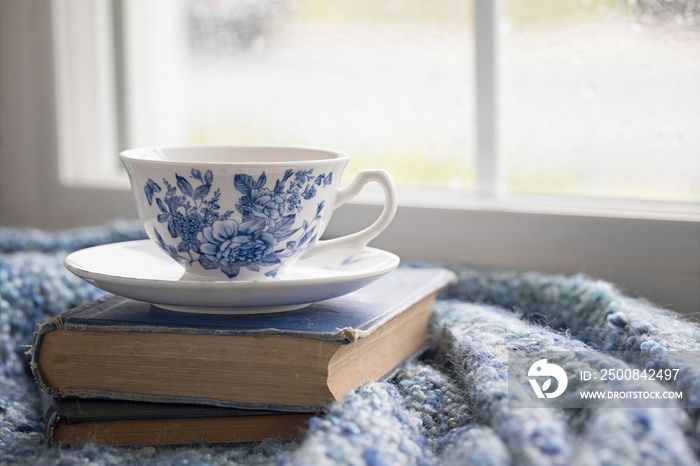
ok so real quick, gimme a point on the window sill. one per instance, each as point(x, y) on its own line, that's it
point(651, 251)
point(467, 201)
point(540, 205)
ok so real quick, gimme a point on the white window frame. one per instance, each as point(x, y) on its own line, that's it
point(47, 140)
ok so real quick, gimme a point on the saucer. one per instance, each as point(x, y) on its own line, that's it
point(140, 270)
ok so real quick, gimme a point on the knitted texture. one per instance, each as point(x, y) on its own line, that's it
point(596, 312)
point(455, 406)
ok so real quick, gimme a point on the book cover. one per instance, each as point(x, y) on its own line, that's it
point(75, 421)
point(298, 360)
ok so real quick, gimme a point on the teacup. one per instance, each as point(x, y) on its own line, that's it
point(244, 212)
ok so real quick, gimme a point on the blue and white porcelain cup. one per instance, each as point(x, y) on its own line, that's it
point(244, 212)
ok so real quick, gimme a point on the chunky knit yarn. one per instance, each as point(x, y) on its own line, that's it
point(477, 340)
point(596, 312)
point(454, 406)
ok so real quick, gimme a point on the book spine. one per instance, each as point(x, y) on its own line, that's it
point(55, 323)
point(51, 420)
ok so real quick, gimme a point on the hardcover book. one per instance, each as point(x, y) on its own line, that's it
point(118, 348)
point(75, 421)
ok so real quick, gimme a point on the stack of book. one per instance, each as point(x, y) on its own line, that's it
point(122, 372)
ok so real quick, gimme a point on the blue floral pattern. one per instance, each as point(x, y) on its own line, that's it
point(264, 234)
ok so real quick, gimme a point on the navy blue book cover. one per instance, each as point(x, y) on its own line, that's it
point(345, 318)
point(343, 322)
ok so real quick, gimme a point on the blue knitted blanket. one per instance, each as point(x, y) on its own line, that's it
point(451, 407)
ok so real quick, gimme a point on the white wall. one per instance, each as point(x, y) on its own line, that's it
point(30, 191)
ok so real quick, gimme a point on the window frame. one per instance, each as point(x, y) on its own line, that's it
point(650, 250)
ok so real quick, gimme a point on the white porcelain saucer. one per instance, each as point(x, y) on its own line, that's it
point(140, 270)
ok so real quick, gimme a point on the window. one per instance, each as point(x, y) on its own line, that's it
point(518, 181)
point(388, 82)
point(601, 98)
point(595, 99)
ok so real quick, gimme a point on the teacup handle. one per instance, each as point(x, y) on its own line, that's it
point(359, 240)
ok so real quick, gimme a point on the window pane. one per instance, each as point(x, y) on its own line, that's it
point(391, 83)
point(602, 98)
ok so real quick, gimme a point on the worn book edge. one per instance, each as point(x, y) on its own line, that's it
point(440, 278)
point(52, 392)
